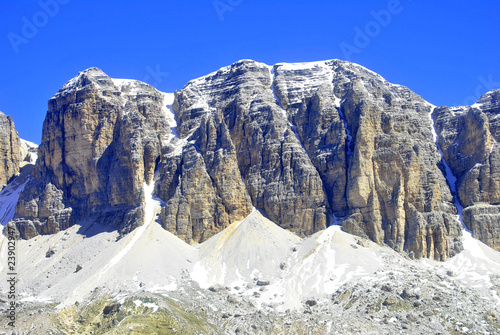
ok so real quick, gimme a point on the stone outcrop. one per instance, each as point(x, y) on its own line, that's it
point(306, 144)
point(29, 153)
point(382, 168)
point(484, 221)
point(9, 150)
point(310, 141)
point(232, 124)
point(101, 142)
point(468, 137)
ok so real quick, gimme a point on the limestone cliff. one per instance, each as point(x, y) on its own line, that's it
point(311, 141)
point(382, 169)
point(231, 123)
point(9, 150)
point(307, 144)
point(468, 137)
point(101, 141)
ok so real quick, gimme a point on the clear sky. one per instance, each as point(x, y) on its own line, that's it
point(446, 51)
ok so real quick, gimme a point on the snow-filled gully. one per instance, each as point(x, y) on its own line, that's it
point(9, 197)
point(461, 263)
point(450, 177)
point(283, 111)
point(151, 210)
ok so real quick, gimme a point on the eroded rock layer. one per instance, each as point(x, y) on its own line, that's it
point(468, 137)
point(306, 144)
point(9, 150)
point(382, 169)
point(101, 140)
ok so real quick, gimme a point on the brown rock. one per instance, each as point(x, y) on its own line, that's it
point(101, 142)
point(9, 150)
point(484, 221)
point(468, 137)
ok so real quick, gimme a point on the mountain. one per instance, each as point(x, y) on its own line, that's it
point(254, 197)
point(306, 143)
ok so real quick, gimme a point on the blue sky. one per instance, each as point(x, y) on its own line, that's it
point(446, 51)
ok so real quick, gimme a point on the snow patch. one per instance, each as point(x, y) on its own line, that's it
point(31, 149)
point(301, 66)
point(168, 110)
point(150, 209)
point(140, 303)
point(433, 129)
point(278, 101)
point(449, 175)
point(338, 104)
point(321, 264)
point(9, 197)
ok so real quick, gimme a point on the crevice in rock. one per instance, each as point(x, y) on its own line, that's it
point(338, 104)
point(450, 177)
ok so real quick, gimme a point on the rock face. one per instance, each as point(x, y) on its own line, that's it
point(9, 150)
point(306, 144)
point(101, 142)
point(232, 127)
point(468, 137)
point(309, 141)
point(29, 153)
point(371, 142)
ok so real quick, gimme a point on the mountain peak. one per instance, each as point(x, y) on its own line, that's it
point(489, 101)
point(91, 76)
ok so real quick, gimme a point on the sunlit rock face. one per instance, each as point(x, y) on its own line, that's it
point(9, 150)
point(307, 144)
point(468, 136)
point(101, 140)
point(315, 141)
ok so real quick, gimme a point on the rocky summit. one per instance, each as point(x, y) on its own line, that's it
point(235, 189)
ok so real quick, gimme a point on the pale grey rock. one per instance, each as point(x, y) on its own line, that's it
point(232, 114)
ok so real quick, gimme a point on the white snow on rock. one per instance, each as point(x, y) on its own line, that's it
point(290, 78)
point(473, 266)
point(476, 262)
point(31, 149)
point(319, 266)
point(450, 177)
point(9, 197)
point(168, 101)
